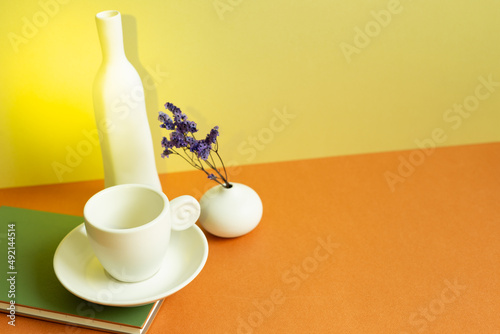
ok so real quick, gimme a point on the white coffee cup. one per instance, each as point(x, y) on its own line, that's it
point(129, 226)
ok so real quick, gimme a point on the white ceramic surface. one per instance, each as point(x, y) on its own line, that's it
point(232, 212)
point(129, 226)
point(120, 111)
point(80, 272)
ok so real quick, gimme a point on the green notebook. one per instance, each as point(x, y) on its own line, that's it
point(28, 241)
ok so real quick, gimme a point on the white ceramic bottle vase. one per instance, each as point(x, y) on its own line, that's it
point(120, 111)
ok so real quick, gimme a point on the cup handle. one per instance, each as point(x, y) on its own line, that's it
point(184, 212)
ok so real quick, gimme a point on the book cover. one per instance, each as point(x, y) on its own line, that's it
point(28, 240)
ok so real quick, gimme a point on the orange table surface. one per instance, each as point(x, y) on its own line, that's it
point(339, 249)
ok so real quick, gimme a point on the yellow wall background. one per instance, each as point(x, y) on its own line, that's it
point(239, 64)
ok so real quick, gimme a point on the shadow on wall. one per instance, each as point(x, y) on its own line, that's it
point(149, 82)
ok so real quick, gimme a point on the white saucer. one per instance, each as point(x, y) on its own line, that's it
point(80, 272)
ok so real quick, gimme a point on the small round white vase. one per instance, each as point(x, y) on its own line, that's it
point(230, 212)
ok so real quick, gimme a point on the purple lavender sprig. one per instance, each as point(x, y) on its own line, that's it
point(182, 142)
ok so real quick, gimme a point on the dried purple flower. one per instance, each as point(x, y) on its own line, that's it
point(191, 126)
point(191, 143)
point(212, 136)
point(166, 153)
point(178, 139)
point(167, 122)
point(165, 143)
point(203, 150)
point(183, 138)
point(172, 108)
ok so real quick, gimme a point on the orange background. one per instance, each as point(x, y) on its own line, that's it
point(393, 257)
